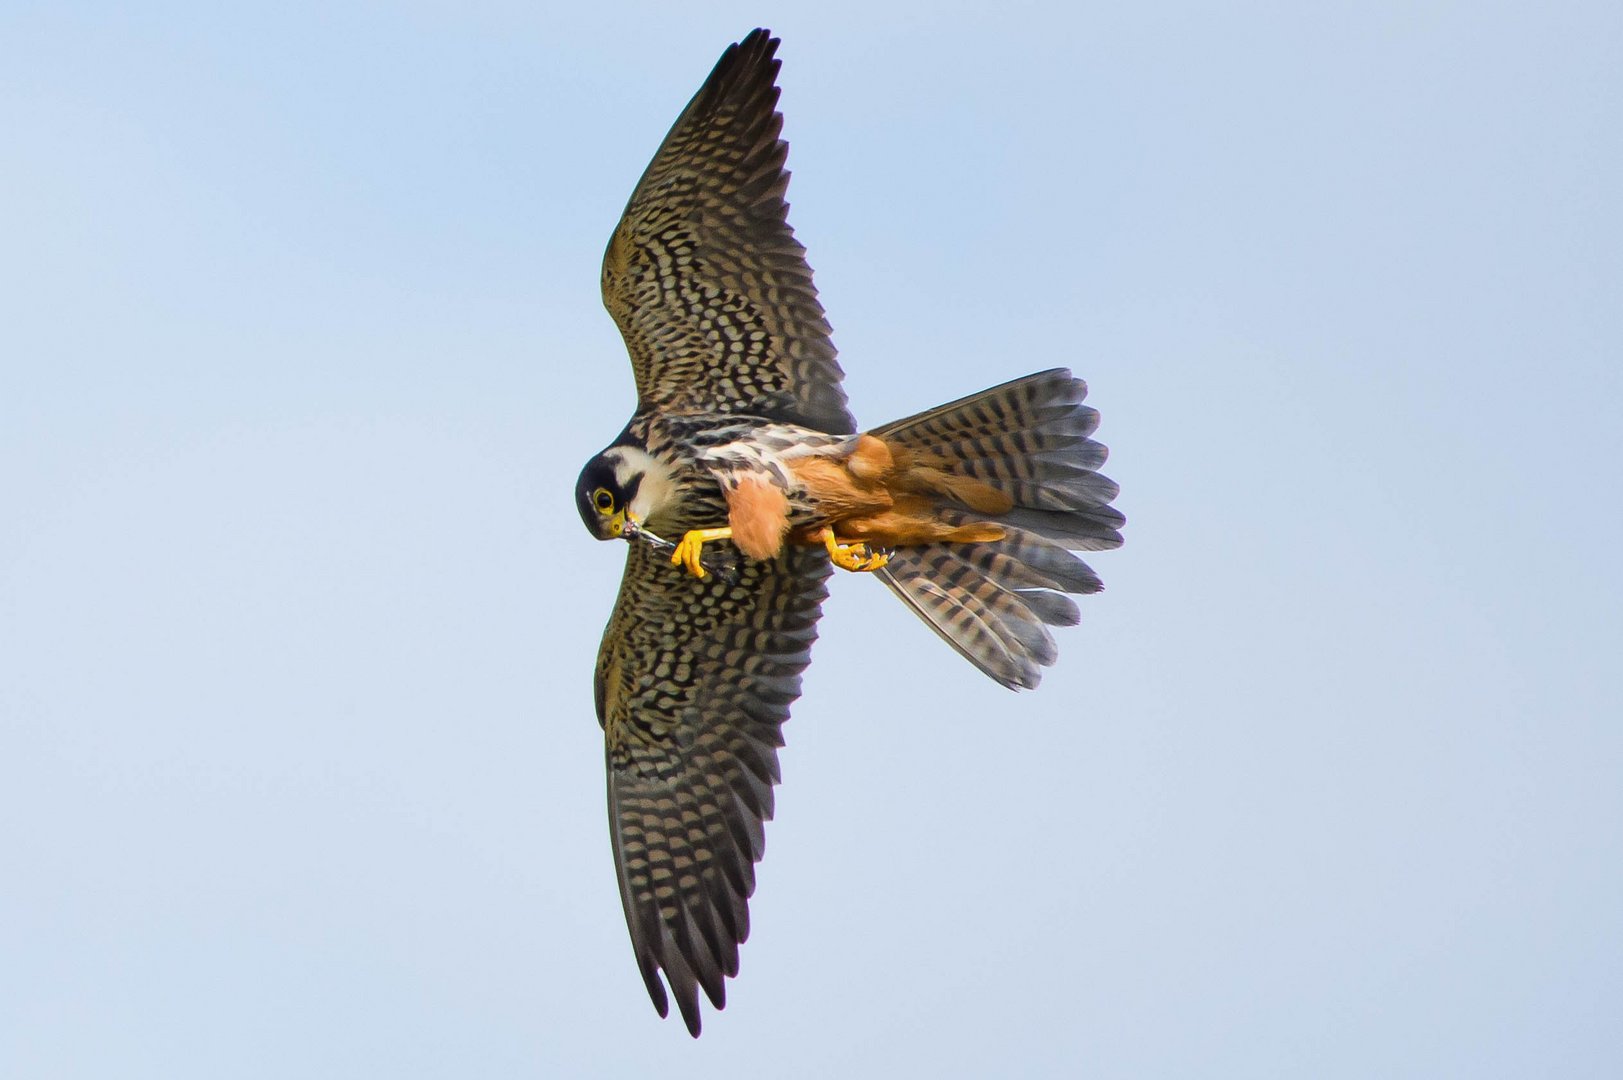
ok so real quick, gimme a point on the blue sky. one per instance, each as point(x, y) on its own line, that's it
point(300, 352)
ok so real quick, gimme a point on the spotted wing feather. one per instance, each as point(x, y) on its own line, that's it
point(704, 276)
point(694, 681)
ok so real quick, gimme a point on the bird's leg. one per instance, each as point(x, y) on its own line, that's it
point(858, 557)
point(689, 548)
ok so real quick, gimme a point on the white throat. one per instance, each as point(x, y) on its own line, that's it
point(657, 487)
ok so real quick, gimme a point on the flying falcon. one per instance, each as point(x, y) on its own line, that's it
point(742, 452)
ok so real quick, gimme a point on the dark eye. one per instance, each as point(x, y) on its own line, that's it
point(603, 499)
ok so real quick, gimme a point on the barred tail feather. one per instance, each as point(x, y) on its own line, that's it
point(990, 603)
point(1030, 441)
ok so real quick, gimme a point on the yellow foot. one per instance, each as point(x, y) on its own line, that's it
point(691, 546)
point(857, 557)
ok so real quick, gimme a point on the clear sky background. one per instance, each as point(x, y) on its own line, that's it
point(301, 350)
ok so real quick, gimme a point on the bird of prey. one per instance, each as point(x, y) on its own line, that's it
point(742, 450)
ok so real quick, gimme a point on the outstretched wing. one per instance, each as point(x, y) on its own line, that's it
point(703, 274)
point(694, 680)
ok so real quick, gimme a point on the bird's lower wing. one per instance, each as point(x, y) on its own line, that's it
point(694, 680)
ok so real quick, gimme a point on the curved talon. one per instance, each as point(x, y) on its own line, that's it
point(858, 557)
point(690, 548)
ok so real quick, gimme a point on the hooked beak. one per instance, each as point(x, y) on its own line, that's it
point(624, 524)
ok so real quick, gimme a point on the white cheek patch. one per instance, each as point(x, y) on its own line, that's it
point(655, 487)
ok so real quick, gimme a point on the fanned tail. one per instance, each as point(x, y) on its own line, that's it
point(1029, 442)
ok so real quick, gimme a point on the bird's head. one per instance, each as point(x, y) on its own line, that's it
point(623, 486)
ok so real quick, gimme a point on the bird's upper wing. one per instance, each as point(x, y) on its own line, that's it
point(703, 274)
point(694, 679)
